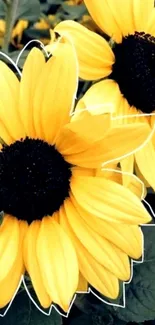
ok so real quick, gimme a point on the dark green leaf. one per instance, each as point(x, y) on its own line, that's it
point(27, 9)
point(23, 312)
point(2, 9)
point(92, 319)
point(140, 293)
point(74, 12)
point(13, 55)
point(54, 2)
point(33, 33)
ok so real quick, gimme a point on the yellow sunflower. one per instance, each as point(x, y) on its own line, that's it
point(61, 224)
point(129, 65)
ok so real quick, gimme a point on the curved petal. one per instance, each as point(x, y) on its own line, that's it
point(104, 18)
point(99, 247)
point(4, 134)
point(96, 274)
point(109, 173)
point(32, 265)
point(145, 159)
point(94, 53)
point(127, 167)
point(137, 187)
point(82, 285)
point(127, 237)
point(126, 114)
point(122, 12)
point(83, 130)
point(108, 200)
point(150, 28)
point(78, 171)
point(55, 93)
point(58, 262)
point(9, 284)
point(116, 143)
point(31, 73)
point(117, 175)
point(140, 175)
point(102, 97)
point(9, 110)
point(142, 12)
point(69, 142)
point(9, 244)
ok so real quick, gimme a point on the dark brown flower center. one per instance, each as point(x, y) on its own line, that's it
point(34, 179)
point(134, 70)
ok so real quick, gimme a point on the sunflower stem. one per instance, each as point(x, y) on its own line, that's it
point(11, 10)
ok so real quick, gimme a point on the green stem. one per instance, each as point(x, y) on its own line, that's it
point(11, 10)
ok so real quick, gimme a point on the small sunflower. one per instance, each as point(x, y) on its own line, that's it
point(61, 223)
point(129, 64)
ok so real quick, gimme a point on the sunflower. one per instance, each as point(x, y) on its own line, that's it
point(129, 65)
point(61, 223)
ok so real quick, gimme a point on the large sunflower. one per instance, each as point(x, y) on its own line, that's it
point(129, 64)
point(61, 224)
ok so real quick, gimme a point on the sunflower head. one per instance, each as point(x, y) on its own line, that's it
point(58, 214)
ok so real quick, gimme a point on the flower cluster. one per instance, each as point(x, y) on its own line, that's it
point(73, 174)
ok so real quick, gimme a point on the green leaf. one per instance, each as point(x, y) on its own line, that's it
point(27, 9)
point(74, 12)
point(33, 33)
point(23, 312)
point(2, 9)
point(92, 319)
point(54, 2)
point(140, 293)
point(13, 55)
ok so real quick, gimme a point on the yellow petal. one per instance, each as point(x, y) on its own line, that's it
point(31, 73)
point(122, 12)
point(9, 284)
point(140, 175)
point(127, 167)
point(84, 129)
point(32, 265)
point(118, 142)
point(99, 247)
point(9, 110)
point(83, 284)
point(9, 244)
point(58, 262)
point(4, 134)
point(142, 12)
point(150, 28)
point(145, 159)
point(94, 53)
point(137, 187)
point(90, 127)
point(96, 274)
point(102, 97)
point(55, 93)
point(126, 114)
point(69, 142)
point(115, 174)
point(19, 29)
point(104, 18)
point(108, 200)
point(127, 237)
point(78, 171)
point(110, 173)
